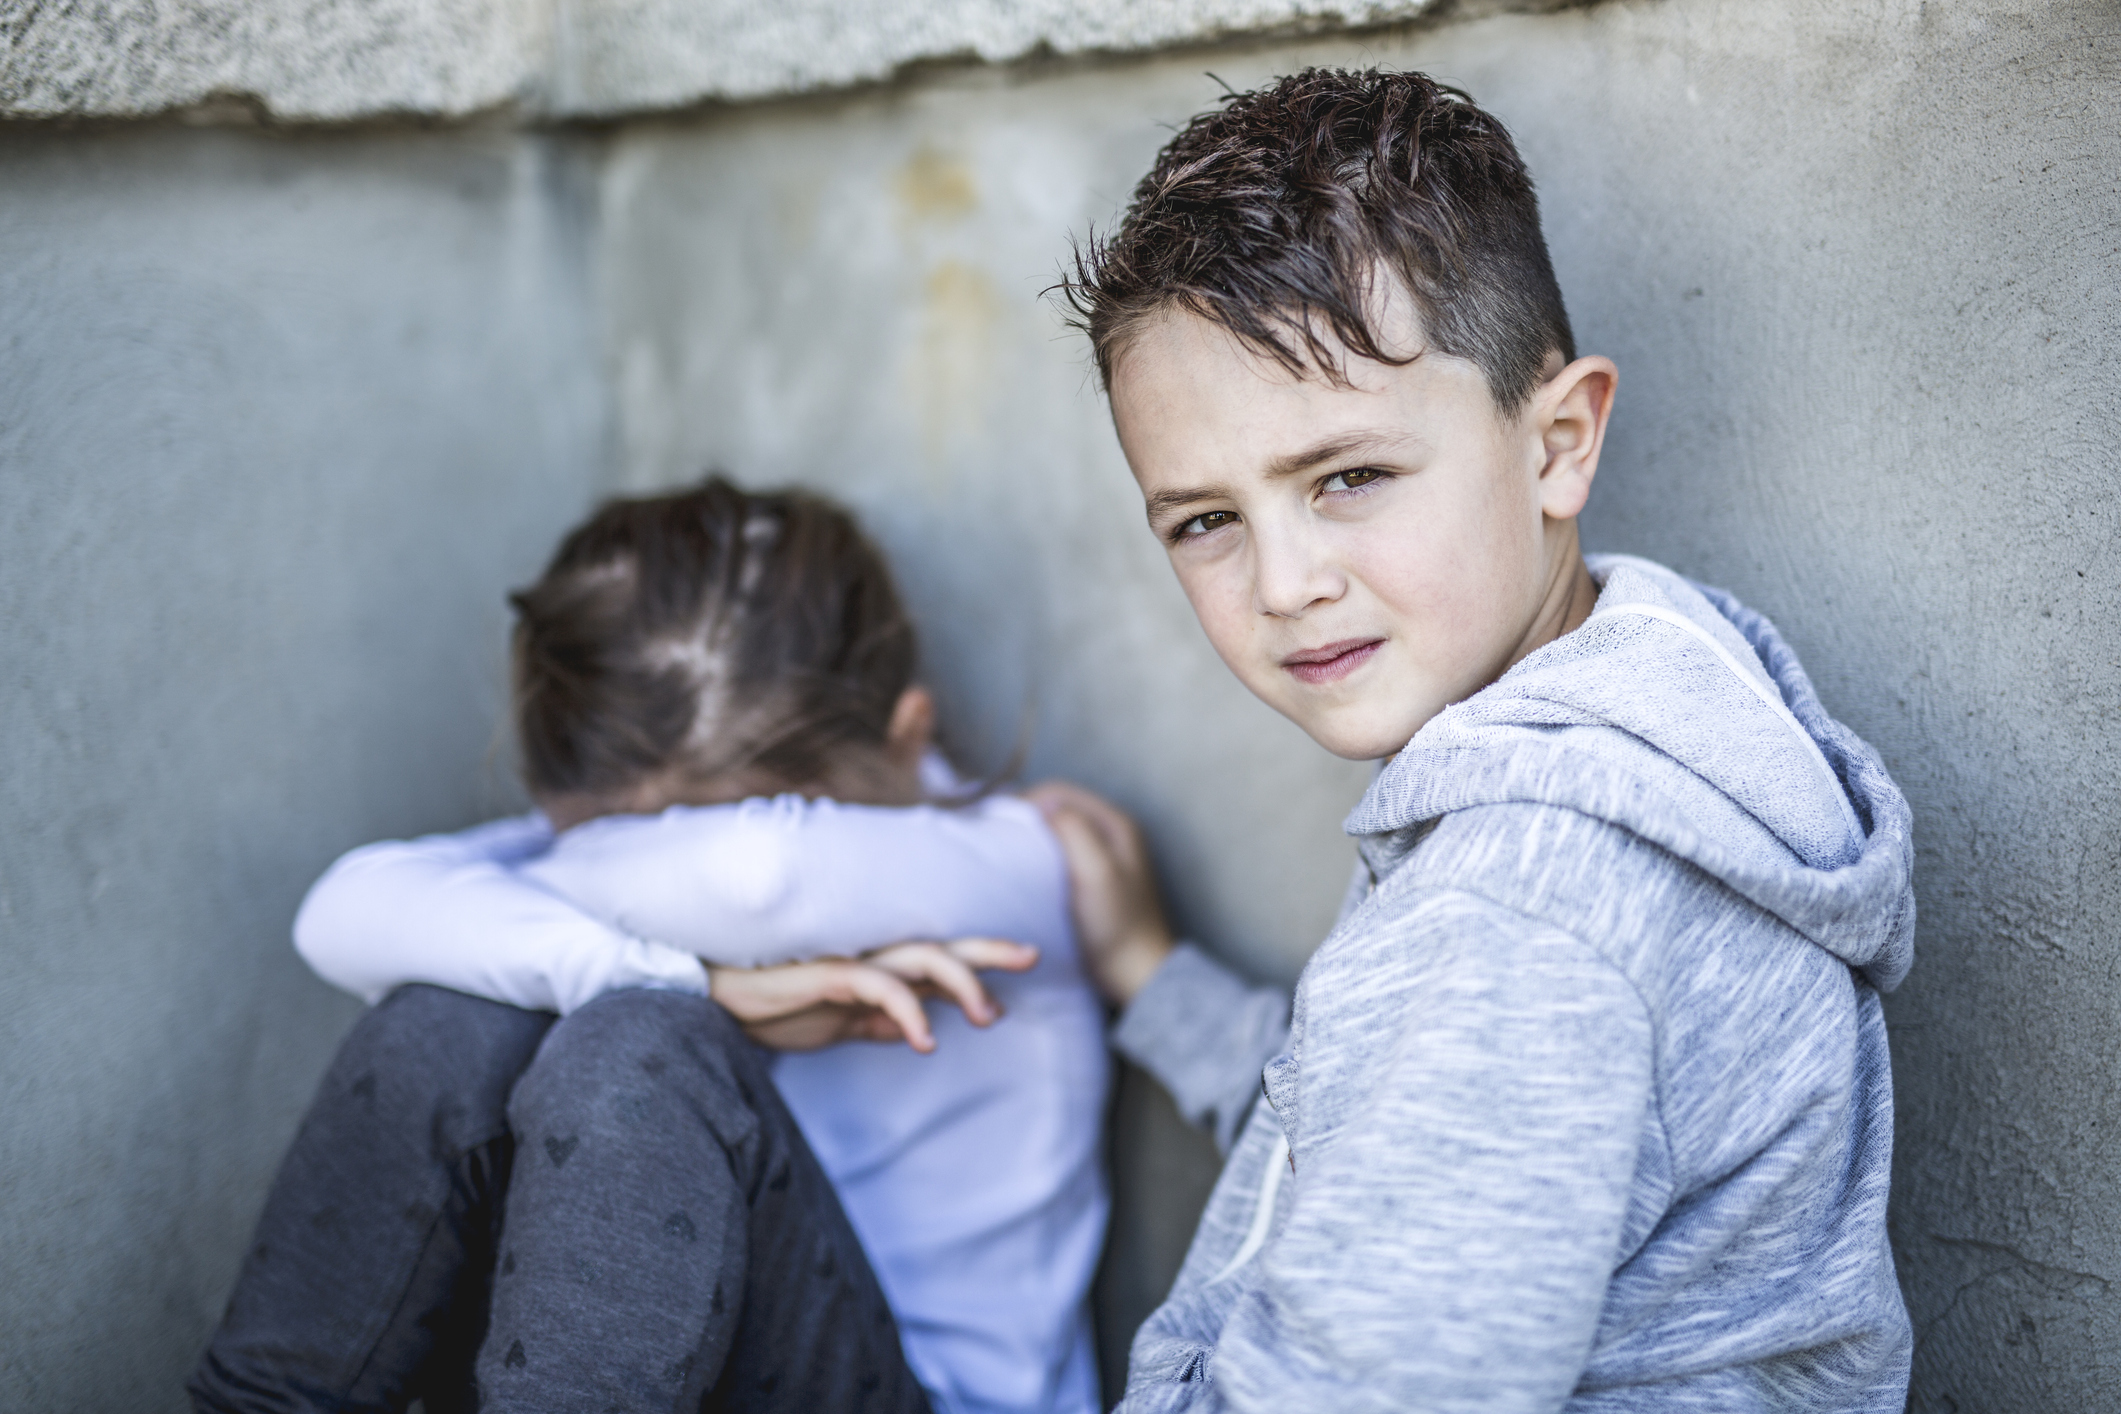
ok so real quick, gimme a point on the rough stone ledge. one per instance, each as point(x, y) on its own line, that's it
point(320, 61)
point(336, 61)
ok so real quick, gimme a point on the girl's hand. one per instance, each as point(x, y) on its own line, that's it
point(1118, 913)
point(806, 1006)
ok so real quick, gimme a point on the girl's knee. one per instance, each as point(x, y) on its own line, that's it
point(468, 1030)
point(647, 1019)
point(437, 1059)
point(641, 1056)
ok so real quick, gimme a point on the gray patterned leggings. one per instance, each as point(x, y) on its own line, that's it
point(486, 1209)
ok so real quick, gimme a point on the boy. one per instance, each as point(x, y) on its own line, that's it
point(1585, 1102)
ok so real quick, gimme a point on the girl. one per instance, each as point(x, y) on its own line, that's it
point(733, 768)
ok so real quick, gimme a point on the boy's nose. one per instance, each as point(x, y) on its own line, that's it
point(1289, 576)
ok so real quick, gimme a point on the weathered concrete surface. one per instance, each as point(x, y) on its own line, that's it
point(332, 60)
point(628, 55)
point(297, 60)
point(1859, 266)
point(279, 422)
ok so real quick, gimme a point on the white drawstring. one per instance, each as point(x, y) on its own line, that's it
point(1263, 1215)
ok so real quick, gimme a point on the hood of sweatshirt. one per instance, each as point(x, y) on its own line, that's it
point(1681, 716)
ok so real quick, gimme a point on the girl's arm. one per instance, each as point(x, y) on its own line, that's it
point(450, 911)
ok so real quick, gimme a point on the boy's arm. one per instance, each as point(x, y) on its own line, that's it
point(1204, 1034)
point(449, 911)
point(1455, 1221)
point(1186, 1019)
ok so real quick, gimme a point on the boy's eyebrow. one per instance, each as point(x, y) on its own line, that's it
point(1333, 449)
point(1327, 449)
point(1159, 502)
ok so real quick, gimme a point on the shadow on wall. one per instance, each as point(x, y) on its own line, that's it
point(1162, 1170)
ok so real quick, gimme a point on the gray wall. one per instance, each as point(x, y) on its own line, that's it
point(280, 418)
point(1858, 266)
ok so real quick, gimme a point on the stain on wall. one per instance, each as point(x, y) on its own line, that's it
point(934, 186)
point(950, 376)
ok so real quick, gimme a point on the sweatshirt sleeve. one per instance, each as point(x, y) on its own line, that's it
point(1455, 1222)
point(450, 911)
point(1205, 1034)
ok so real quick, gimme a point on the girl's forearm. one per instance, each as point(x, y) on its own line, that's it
point(447, 910)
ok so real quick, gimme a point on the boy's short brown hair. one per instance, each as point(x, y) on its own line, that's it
point(1274, 215)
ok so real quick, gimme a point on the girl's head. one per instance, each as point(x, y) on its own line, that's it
point(713, 644)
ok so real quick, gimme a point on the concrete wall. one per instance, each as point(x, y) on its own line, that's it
point(280, 419)
point(1858, 266)
point(1857, 263)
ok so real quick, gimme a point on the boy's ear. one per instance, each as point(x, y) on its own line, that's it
point(1569, 412)
point(912, 726)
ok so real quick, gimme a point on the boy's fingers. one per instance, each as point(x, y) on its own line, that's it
point(1064, 797)
point(1051, 789)
point(1067, 795)
point(1115, 826)
point(1107, 887)
point(1080, 840)
point(1122, 835)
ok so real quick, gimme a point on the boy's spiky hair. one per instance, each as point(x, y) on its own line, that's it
point(1274, 216)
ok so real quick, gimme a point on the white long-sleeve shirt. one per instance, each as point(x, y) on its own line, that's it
point(973, 1175)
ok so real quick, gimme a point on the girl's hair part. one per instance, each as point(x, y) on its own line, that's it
point(704, 632)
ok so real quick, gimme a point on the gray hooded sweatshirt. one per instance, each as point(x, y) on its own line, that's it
point(1584, 1104)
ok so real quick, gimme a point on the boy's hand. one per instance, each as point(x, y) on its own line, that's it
point(806, 1006)
point(1118, 913)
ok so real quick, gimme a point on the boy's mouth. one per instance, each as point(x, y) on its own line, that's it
point(1333, 661)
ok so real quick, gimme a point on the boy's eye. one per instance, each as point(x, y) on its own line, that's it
point(1351, 480)
point(1203, 524)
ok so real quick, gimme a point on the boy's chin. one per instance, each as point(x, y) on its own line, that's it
point(1354, 739)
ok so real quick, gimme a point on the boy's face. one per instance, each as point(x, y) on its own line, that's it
point(1361, 556)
